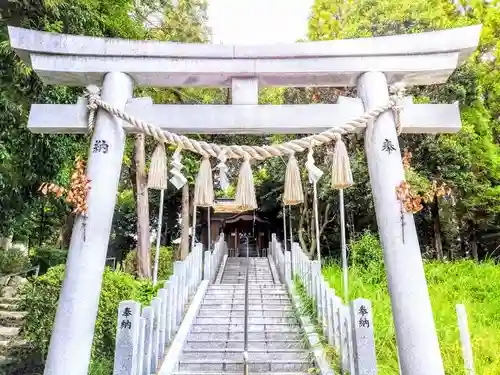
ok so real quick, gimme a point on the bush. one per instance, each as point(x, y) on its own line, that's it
point(40, 296)
point(47, 257)
point(12, 261)
point(165, 263)
point(366, 250)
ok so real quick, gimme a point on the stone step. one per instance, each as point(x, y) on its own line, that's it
point(238, 373)
point(7, 333)
point(253, 355)
point(239, 287)
point(11, 318)
point(240, 313)
point(251, 292)
point(220, 335)
point(251, 320)
point(239, 344)
point(10, 300)
point(250, 296)
point(224, 365)
point(240, 327)
point(255, 305)
point(12, 346)
point(5, 360)
point(8, 307)
point(227, 303)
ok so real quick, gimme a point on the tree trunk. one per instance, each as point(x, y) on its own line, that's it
point(436, 224)
point(66, 231)
point(143, 240)
point(185, 223)
point(473, 242)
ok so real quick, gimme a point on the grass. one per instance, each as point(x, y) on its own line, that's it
point(477, 286)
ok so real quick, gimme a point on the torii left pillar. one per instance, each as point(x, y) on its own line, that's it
point(71, 341)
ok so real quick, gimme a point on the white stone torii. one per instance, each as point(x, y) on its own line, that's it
point(371, 64)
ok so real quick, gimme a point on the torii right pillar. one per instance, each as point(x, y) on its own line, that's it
point(416, 335)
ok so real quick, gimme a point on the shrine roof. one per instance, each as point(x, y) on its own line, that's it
point(415, 59)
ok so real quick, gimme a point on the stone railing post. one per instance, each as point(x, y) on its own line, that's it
point(178, 271)
point(206, 272)
point(162, 294)
point(142, 340)
point(155, 351)
point(148, 315)
point(288, 267)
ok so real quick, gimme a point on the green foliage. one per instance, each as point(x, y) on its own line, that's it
point(366, 251)
point(165, 262)
point(49, 256)
point(40, 296)
point(101, 366)
point(469, 161)
point(475, 285)
point(12, 261)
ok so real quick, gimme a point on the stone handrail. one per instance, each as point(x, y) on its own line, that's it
point(143, 337)
point(348, 328)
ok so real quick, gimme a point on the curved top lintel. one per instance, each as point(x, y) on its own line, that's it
point(55, 54)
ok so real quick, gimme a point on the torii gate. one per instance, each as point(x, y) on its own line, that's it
point(371, 64)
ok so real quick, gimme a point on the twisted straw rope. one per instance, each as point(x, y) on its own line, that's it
point(236, 151)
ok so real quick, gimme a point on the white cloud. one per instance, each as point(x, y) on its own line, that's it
point(258, 21)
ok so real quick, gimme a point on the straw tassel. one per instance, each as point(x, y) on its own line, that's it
point(341, 168)
point(245, 191)
point(158, 173)
point(204, 186)
point(293, 184)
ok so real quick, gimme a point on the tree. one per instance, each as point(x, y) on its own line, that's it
point(468, 161)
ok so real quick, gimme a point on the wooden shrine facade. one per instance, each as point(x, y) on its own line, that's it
point(227, 218)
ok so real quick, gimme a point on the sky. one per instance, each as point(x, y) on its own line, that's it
point(258, 21)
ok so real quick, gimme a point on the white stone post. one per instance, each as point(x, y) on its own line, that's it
point(168, 314)
point(127, 338)
point(140, 351)
point(179, 272)
point(206, 273)
point(148, 315)
point(465, 341)
point(73, 332)
point(174, 285)
point(330, 320)
point(336, 305)
point(162, 294)
point(155, 351)
point(363, 337)
point(411, 307)
point(288, 267)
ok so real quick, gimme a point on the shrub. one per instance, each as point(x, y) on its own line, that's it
point(366, 250)
point(12, 261)
point(48, 256)
point(40, 296)
point(165, 263)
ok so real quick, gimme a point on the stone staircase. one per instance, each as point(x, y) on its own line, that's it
point(259, 272)
point(216, 340)
point(252, 249)
point(11, 321)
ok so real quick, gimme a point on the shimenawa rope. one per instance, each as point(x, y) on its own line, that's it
point(244, 151)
